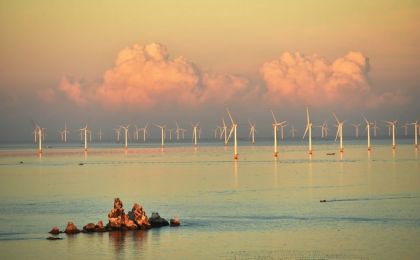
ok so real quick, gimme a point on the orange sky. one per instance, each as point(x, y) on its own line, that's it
point(306, 52)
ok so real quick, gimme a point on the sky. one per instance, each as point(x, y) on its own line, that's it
point(106, 63)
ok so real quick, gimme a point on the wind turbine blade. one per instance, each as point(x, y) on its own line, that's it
point(230, 116)
point(336, 118)
point(336, 136)
point(274, 118)
point(307, 115)
point(306, 130)
point(230, 133)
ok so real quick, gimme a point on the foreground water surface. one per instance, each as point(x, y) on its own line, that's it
point(256, 207)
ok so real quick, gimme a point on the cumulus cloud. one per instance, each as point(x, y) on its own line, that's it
point(73, 91)
point(313, 80)
point(146, 76)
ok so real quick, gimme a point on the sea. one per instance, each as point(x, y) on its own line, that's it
point(256, 207)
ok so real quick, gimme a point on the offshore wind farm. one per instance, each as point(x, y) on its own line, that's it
point(209, 129)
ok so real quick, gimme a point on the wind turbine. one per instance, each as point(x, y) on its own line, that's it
point(252, 131)
point(170, 134)
point(64, 133)
point(325, 128)
point(145, 133)
point(117, 134)
point(224, 131)
point(293, 131)
point(275, 125)
point(216, 131)
point(308, 130)
point(43, 133)
point(39, 130)
point(125, 127)
point(281, 131)
point(195, 133)
point(389, 129)
point(85, 130)
point(38, 136)
point(100, 134)
point(368, 132)
point(391, 125)
point(233, 129)
point(416, 126)
point(136, 133)
point(177, 131)
point(405, 126)
point(322, 130)
point(375, 128)
point(339, 132)
point(163, 134)
point(356, 128)
point(35, 134)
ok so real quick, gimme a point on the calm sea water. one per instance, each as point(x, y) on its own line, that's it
point(254, 208)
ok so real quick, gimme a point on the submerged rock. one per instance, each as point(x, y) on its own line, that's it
point(174, 222)
point(71, 229)
point(323, 201)
point(157, 221)
point(55, 231)
point(54, 238)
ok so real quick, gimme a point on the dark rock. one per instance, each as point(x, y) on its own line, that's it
point(21, 162)
point(174, 222)
point(54, 238)
point(330, 153)
point(55, 231)
point(323, 201)
point(71, 229)
point(81, 164)
point(89, 228)
point(99, 227)
point(157, 221)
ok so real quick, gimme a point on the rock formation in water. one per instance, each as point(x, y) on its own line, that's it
point(71, 229)
point(136, 219)
point(55, 231)
point(174, 222)
point(157, 221)
point(139, 217)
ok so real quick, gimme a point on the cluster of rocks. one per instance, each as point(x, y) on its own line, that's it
point(136, 219)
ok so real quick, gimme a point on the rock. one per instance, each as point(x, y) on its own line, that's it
point(71, 229)
point(157, 221)
point(116, 216)
point(90, 227)
point(55, 231)
point(139, 217)
point(81, 164)
point(323, 201)
point(330, 153)
point(174, 222)
point(54, 238)
point(99, 227)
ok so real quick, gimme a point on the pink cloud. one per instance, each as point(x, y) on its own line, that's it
point(145, 76)
point(72, 91)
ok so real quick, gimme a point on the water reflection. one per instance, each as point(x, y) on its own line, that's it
point(117, 240)
point(276, 180)
point(235, 174)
